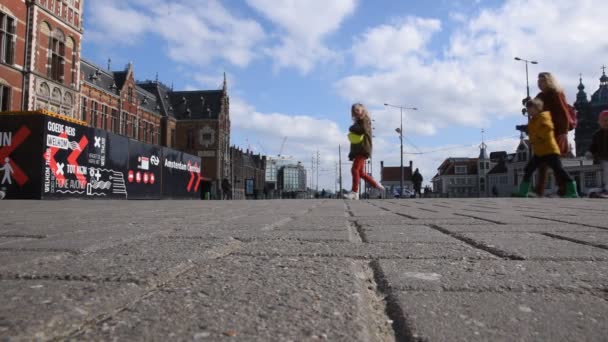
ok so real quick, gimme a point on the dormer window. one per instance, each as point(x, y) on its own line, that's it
point(460, 170)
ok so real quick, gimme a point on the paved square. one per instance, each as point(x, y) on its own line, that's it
point(390, 270)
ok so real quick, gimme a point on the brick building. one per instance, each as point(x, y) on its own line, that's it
point(41, 68)
point(40, 54)
point(113, 101)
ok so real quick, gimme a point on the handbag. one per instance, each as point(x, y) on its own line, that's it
point(355, 138)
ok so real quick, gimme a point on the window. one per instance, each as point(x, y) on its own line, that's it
point(123, 123)
point(93, 113)
point(145, 129)
point(172, 140)
point(74, 81)
point(130, 95)
point(83, 115)
point(57, 57)
point(190, 139)
point(590, 180)
point(7, 38)
point(461, 170)
point(5, 98)
point(104, 116)
point(135, 128)
point(114, 121)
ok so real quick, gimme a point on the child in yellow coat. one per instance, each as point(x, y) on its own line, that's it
point(545, 149)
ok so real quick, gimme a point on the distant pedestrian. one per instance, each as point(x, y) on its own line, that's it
point(546, 149)
point(599, 149)
point(494, 191)
point(555, 103)
point(417, 180)
point(360, 136)
point(226, 189)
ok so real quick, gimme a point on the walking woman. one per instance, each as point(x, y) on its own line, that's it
point(360, 136)
point(554, 101)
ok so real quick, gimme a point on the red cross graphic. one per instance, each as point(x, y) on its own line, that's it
point(18, 174)
point(73, 159)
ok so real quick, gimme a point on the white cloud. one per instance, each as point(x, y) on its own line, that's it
point(195, 32)
point(302, 28)
point(388, 46)
point(473, 78)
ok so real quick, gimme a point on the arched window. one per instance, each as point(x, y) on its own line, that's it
point(56, 70)
point(44, 90)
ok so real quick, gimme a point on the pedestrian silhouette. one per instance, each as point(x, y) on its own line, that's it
point(8, 170)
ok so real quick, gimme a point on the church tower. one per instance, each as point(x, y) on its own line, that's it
point(588, 112)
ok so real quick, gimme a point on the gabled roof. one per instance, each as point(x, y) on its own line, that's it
point(120, 77)
point(501, 167)
point(147, 100)
point(199, 104)
point(96, 76)
point(448, 167)
point(162, 95)
point(393, 173)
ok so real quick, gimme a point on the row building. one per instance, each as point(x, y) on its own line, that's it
point(41, 67)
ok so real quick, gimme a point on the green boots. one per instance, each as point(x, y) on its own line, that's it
point(571, 190)
point(524, 188)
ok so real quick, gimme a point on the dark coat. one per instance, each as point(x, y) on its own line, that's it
point(417, 179)
point(599, 144)
point(362, 126)
point(555, 102)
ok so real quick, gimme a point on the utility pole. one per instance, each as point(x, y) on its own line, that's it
point(318, 162)
point(340, 166)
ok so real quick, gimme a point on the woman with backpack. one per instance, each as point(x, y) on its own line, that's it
point(555, 102)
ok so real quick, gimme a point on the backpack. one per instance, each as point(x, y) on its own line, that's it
point(571, 113)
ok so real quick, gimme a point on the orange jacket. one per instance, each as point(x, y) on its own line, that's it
point(541, 134)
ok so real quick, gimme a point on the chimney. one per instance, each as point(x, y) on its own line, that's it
point(381, 170)
point(411, 166)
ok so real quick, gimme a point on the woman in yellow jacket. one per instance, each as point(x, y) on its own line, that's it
point(545, 149)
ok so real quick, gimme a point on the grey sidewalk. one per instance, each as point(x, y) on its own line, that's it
point(437, 270)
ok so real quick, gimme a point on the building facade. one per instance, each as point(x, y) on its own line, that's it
point(390, 177)
point(292, 181)
point(40, 55)
point(248, 174)
point(588, 112)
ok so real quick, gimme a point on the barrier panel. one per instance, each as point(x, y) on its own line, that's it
point(144, 173)
point(21, 156)
point(181, 175)
point(47, 156)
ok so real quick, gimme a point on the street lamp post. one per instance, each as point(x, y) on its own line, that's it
point(527, 82)
point(524, 110)
point(400, 131)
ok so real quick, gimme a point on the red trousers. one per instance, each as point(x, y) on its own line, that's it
point(358, 172)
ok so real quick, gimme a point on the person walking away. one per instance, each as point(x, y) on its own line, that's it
point(226, 189)
point(546, 149)
point(417, 180)
point(360, 136)
point(599, 149)
point(555, 102)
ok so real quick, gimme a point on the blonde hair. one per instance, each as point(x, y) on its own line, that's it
point(359, 105)
point(551, 81)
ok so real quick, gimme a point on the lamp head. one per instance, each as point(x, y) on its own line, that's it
point(534, 62)
point(398, 130)
point(517, 59)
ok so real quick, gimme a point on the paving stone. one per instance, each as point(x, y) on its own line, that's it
point(42, 309)
point(141, 262)
point(363, 250)
point(536, 246)
point(466, 316)
point(518, 228)
point(595, 238)
point(409, 234)
point(495, 275)
point(248, 299)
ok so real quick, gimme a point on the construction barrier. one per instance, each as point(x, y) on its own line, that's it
point(48, 156)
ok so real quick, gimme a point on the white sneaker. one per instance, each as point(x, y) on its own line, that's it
point(352, 196)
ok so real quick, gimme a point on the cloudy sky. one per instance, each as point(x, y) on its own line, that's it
point(294, 67)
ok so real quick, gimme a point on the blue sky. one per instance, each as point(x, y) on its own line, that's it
point(295, 67)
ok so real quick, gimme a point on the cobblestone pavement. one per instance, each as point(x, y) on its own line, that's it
point(405, 270)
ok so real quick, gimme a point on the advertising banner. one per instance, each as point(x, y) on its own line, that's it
point(66, 172)
point(21, 155)
point(108, 160)
point(144, 172)
point(181, 175)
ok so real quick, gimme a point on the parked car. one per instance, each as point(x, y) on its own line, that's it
point(406, 193)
